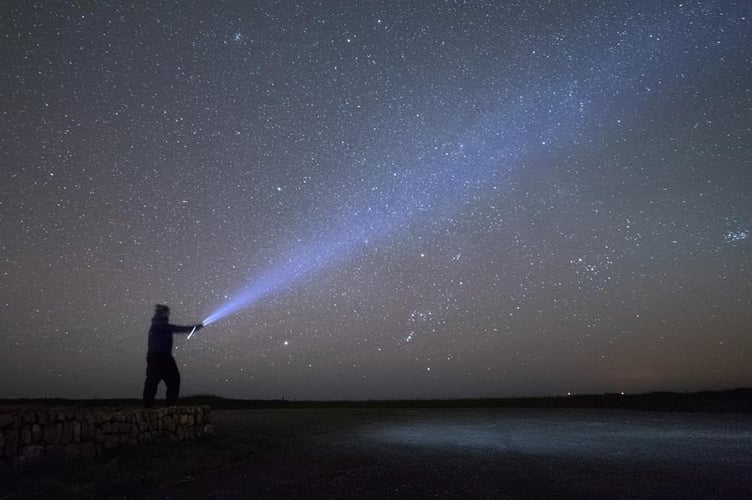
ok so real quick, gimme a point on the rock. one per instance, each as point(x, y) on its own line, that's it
point(25, 435)
point(36, 433)
point(72, 450)
point(47, 433)
point(11, 442)
point(110, 441)
point(54, 451)
point(53, 433)
point(5, 420)
point(67, 433)
point(87, 431)
point(32, 451)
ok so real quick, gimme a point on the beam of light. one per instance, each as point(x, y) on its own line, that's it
point(324, 251)
point(555, 117)
point(192, 332)
point(397, 202)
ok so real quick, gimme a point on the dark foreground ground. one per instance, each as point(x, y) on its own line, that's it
point(481, 453)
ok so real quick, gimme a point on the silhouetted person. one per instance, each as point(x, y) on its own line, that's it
point(160, 365)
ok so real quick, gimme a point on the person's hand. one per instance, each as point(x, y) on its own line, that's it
point(199, 326)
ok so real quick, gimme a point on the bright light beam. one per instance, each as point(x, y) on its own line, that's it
point(556, 117)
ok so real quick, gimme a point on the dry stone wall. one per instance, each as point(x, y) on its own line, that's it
point(27, 433)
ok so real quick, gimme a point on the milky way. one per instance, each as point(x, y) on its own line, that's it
point(378, 200)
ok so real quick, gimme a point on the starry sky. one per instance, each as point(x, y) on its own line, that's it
point(382, 199)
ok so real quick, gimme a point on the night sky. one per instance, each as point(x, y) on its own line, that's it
point(398, 199)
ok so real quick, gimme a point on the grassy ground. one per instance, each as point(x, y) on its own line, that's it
point(129, 470)
point(726, 401)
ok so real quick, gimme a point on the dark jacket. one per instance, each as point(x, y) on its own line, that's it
point(160, 335)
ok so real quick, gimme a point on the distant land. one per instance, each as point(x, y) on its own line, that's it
point(725, 401)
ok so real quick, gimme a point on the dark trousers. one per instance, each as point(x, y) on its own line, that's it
point(161, 367)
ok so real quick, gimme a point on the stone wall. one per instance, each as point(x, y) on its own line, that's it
point(29, 433)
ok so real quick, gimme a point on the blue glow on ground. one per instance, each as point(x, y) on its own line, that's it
point(574, 433)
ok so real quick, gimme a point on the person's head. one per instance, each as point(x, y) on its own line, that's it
point(161, 311)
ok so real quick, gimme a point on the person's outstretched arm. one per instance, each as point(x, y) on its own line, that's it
point(185, 329)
